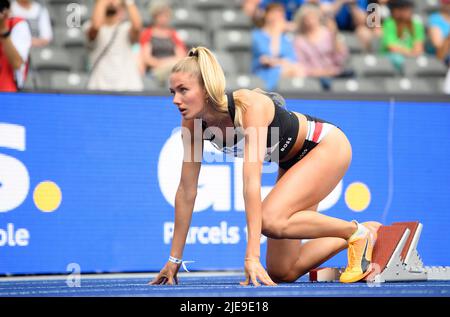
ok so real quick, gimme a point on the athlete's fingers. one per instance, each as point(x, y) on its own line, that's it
point(267, 280)
point(176, 279)
point(247, 280)
point(254, 280)
point(156, 280)
point(262, 278)
point(272, 283)
point(170, 281)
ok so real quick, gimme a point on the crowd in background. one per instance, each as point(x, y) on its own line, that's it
point(290, 39)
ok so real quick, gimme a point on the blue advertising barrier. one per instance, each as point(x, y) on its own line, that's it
point(88, 181)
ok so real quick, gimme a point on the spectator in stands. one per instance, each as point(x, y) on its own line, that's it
point(350, 15)
point(320, 50)
point(256, 8)
point(38, 18)
point(253, 10)
point(110, 39)
point(290, 6)
point(15, 43)
point(161, 47)
point(439, 32)
point(403, 35)
point(273, 52)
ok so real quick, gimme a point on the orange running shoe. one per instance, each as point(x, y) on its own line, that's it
point(360, 248)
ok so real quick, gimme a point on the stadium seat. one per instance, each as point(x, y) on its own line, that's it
point(244, 81)
point(193, 37)
point(208, 5)
point(238, 43)
point(73, 37)
point(359, 85)
point(55, 17)
point(298, 85)
point(243, 60)
point(426, 6)
point(47, 60)
point(227, 62)
point(69, 81)
point(408, 86)
point(233, 40)
point(50, 58)
point(74, 41)
point(179, 3)
point(424, 66)
point(151, 86)
point(229, 19)
point(437, 84)
point(65, 13)
point(368, 65)
point(352, 42)
point(184, 17)
point(33, 82)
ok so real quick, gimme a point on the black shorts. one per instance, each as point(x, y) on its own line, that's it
point(317, 130)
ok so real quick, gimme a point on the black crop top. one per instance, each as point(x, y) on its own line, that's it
point(284, 137)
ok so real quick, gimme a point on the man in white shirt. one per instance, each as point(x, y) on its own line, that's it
point(38, 19)
point(110, 39)
point(15, 43)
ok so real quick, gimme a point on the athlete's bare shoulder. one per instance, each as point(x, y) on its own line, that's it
point(251, 97)
point(256, 103)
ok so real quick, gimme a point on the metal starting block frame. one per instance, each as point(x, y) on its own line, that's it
point(395, 258)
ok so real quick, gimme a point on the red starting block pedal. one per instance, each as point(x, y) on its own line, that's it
point(325, 274)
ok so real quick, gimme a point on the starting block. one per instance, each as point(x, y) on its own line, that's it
point(395, 258)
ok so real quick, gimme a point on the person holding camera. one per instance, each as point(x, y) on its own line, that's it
point(15, 43)
point(111, 37)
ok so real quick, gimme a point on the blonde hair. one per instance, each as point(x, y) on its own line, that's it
point(202, 64)
point(157, 7)
point(305, 10)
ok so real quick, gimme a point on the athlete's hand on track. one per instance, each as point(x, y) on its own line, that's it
point(167, 275)
point(254, 271)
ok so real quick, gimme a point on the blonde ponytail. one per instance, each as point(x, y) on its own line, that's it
point(202, 63)
point(212, 76)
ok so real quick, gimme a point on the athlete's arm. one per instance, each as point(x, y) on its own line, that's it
point(255, 121)
point(187, 188)
point(184, 199)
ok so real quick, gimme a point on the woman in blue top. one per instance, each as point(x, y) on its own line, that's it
point(273, 52)
point(439, 31)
